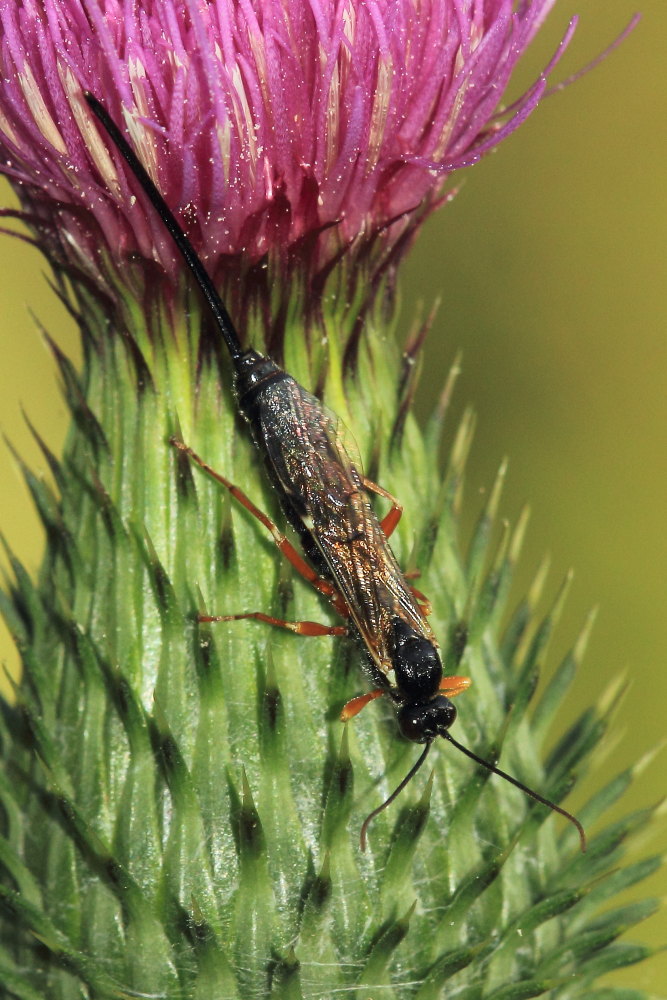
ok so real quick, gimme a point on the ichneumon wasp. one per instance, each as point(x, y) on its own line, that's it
point(324, 497)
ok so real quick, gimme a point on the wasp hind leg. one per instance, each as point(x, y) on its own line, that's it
point(390, 520)
point(388, 524)
point(281, 541)
point(299, 627)
point(287, 549)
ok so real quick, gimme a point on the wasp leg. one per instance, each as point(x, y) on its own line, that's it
point(390, 520)
point(425, 605)
point(355, 705)
point(301, 628)
point(285, 546)
point(451, 686)
point(388, 525)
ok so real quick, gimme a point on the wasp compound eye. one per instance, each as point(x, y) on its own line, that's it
point(423, 722)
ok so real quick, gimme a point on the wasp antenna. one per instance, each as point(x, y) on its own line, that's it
point(397, 791)
point(190, 256)
point(524, 788)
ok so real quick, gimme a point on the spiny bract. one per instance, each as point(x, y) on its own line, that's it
point(181, 805)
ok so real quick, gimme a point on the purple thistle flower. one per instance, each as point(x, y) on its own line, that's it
point(280, 132)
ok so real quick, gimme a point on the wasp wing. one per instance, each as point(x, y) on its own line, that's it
point(315, 462)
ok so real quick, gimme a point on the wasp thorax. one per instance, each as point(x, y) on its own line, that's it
point(416, 662)
point(423, 722)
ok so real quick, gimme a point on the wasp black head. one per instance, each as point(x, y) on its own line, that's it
point(421, 722)
point(416, 663)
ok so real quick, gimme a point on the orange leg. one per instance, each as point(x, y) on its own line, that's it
point(424, 604)
point(355, 705)
point(285, 546)
point(301, 628)
point(390, 520)
point(451, 686)
point(388, 525)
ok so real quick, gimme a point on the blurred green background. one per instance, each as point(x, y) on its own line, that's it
point(551, 267)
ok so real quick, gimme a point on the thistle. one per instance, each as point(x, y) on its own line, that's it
point(180, 803)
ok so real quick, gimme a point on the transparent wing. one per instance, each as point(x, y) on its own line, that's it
point(312, 458)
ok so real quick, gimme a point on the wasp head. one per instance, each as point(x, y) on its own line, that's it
point(421, 722)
